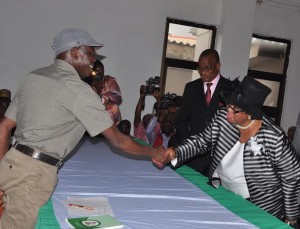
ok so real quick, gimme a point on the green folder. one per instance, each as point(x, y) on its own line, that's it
point(91, 222)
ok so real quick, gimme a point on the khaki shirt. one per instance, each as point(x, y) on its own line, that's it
point(54, 107)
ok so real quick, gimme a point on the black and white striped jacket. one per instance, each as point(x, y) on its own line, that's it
point(273, 176)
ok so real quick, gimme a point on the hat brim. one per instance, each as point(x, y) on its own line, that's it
point(95, 44)
point(229, 98)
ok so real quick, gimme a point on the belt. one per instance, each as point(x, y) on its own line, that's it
point(37, 154)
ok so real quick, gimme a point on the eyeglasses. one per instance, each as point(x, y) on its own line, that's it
point(233, 109)
point(207, 68)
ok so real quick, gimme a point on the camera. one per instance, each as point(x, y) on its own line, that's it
point(152, 84)
point(166, 101)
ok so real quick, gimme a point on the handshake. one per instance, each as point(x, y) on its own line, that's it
point(162, 156)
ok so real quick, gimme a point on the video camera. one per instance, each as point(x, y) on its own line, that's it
point(166, 101)
point(152, 84)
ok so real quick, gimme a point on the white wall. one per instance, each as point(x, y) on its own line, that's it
point(234, 36)
point(275, 22)
point(132, 31)
point(133, 34)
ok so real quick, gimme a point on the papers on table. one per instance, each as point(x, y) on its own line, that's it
point(88, 206)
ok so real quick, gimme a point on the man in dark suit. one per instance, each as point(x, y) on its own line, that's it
point(200, 102)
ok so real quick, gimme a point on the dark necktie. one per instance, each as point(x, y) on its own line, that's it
point(208, 93)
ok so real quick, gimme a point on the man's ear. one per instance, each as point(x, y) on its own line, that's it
point(218, 66)
point(74, 53)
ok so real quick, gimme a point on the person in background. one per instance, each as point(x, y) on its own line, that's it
point(291, 133)
point(51, 111)
point(111, 97)
point(108, 89)
point(5, 98)
point(98, 70)
point(166, 127)
point(200, 101)
point(124, 127)
point(1, 203)
point(296, 140)
point(96, 77)
point(140, 124)
point(251, 155)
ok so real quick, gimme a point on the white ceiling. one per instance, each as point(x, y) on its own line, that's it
point(293, 5)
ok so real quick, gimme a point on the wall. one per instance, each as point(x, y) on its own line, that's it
point(234, 36)
point(133, 31)
point(283, 23)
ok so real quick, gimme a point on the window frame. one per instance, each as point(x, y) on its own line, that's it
point(274, 112)
point(177, 63)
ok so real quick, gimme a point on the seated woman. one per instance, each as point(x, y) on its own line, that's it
point(251, 155)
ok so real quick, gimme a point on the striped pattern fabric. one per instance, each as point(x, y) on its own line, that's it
point(140, 132)
point(273, 176)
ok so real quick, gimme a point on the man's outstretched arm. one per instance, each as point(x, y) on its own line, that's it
point(6, 125)
point(126, 144)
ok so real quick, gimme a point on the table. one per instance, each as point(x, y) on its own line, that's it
point(143, 197)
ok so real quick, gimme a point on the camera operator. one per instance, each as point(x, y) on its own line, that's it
point(165, 110)
point(139, 123)
point(166, 101)
point(152, 84)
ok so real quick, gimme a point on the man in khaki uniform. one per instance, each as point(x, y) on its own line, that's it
point(52, 110)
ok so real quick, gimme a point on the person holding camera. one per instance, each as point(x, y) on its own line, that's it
point(165, 113)
point(140, 124)
point(200, 101)
point(166, 126)
point(124, 127)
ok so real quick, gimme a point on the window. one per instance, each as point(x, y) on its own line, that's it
point(268, 63)
point(183, 43)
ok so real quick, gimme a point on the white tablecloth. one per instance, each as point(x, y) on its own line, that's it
point(141, 196)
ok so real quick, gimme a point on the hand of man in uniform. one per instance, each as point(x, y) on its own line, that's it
point(160, 158)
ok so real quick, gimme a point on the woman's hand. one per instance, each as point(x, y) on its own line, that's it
point(171, 153)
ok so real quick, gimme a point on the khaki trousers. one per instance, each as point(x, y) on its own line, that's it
point(28, 184)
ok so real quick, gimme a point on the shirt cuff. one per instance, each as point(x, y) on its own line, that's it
point(174, 162)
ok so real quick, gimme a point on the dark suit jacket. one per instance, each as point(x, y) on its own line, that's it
point(194, 115)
